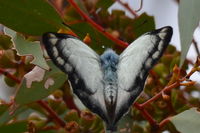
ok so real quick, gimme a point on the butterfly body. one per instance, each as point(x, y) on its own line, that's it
point(107, 84)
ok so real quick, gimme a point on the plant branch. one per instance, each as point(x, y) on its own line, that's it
point(141, 5)
point(7, 74)
point(164, 122)
point(51, 113)
point(174, 85)
point(97, 26)
point(196, 47)
point(150, 119)
point(70, 103)
point(146, 115)
point(127, 7)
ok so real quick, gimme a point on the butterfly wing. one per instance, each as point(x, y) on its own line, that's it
point(135, 62)
point(82, 65)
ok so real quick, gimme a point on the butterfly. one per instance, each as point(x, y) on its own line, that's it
point(107, 84)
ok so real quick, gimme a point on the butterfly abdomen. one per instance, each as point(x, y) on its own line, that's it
point(109, 61)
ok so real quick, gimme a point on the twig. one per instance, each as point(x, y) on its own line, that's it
point(51, 113)
point(150, 119)
point(146, 115)
point(196, 47)
point(127, 7)
point(70, 103)
point(174, 85)
point(141, 5)
point(7, 74)
point(164, 122)
point(97, 26)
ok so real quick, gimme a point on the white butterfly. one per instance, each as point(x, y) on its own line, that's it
point(107, 84)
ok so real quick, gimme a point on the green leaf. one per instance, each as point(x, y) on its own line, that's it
point(3, 108)
point(33, 17)
point(38, 91)
point(129, 29)
point(187, 121)
point(188, 20)
point(104, 4)
point(81, 5)
point(17, 127)
point(143, 24)
point(25, 47)
point(49, 131)
point(97, 39)
point(6, 116)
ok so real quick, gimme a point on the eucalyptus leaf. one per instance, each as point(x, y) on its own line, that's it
point(49, 131)
point(104, 4)
point(98, 41)
point(188, 21)
point(16, 127)
point(7, 115)
point(38, 90)
point(25, 47)
point(33, 17)
point(144, 23)
point(3, 108)
point(187, 121)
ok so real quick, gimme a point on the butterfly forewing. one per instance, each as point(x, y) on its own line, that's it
point(135, 62)
point(81, 64)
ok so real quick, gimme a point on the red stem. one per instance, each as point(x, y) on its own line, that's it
point(70, 103)
point(174, 85)
point(127, 7)
point(4, 72)
point(149, 118)
point(97, 26)
point(146, 115)
point(164, 122)
point(51, 113)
